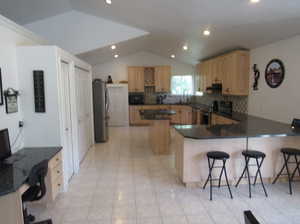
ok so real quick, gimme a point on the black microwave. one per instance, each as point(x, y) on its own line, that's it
point(136, 99)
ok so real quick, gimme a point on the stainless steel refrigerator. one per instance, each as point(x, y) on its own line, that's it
point(101, 109)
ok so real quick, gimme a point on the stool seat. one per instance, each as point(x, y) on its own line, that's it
point(290, 151)
point(218, 155)
point(253, 154)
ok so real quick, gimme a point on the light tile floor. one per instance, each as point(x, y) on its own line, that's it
point(122, 182)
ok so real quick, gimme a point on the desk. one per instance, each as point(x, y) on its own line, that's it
point(13, 180)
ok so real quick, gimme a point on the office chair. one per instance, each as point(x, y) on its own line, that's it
point(36, 191)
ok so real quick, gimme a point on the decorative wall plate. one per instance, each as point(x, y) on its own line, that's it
point(274, 73)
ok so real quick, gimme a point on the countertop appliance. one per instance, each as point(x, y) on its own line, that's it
point(225, 107)
point(136, 99)
point(215, 106)
point(215, 88)
point(101, 110)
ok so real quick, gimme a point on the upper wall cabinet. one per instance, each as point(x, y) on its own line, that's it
point(231, 70)
point(162, 78)
point(136, 79)
point(157, 78)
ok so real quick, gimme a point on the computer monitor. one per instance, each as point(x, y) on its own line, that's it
point(5, 150)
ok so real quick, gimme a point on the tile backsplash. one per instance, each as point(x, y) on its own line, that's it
point(240, 103)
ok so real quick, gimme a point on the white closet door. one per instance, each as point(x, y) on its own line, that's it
point(67, 122)
point(83, 89)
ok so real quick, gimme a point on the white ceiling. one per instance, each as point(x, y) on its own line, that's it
point(172, 23)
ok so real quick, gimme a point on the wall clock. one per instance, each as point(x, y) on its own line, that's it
point(274, 73)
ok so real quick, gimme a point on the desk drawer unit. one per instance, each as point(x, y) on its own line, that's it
point(55, 177)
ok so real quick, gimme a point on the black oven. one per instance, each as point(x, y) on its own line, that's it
point(136, 99)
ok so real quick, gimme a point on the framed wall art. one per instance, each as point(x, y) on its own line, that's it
point(274, 73)
point(11, 100)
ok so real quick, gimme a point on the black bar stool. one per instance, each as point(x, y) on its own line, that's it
point(287, 154)
point(217, 155)
point(251, 154)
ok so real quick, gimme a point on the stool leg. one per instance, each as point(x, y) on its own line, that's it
point(286, 159)
point(279, 174)
point(220, 177)
point(209, 171)
point(297, 168)
point(243, 173)
point(258, 170)
point(224, 168)
point(248, 175)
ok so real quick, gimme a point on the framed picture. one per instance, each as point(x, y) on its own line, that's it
point(11, 101)
point(1, 90)
point(274, 73)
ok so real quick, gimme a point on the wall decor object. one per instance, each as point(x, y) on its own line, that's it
point(11, 100)
point(39, 91)
point(274, 73)
point(1, 90)
point(256, 77)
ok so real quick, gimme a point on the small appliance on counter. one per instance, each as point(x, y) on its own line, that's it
point(215, 88)
point(225, 107)
point(136, 99)
point(215, 106)
point(160, 99)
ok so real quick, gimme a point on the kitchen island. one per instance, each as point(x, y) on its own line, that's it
point(192, 142)
point(159, 129)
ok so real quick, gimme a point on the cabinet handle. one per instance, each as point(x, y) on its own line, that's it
point(57, 159)
point(58, 172)
point(58, 185)
point(227, 90)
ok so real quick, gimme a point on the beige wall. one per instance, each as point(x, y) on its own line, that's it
point(282, 103)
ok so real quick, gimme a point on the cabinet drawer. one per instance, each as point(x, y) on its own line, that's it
point(55, 161)
point(56, 171)
point(56, 186)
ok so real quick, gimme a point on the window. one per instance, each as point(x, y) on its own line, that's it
point(182, 85)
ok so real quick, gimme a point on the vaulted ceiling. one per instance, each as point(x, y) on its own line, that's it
point(172, 23)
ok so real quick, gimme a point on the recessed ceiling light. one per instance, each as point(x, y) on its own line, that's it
point(116, 56)
point(113, 47)
point(108, 2)
point(173, 56)
point(206, 32)
point(185, 47)
point(254, 1)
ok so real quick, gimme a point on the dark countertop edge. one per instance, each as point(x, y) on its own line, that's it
point(233, 137)
point(57, 148)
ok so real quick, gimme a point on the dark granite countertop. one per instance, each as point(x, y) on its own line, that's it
point(157, 114)
point(13, 176)
point(248, 126)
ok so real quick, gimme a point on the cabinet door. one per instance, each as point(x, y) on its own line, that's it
point(186, 115)
point(236, 74)
point(206, 74)
point(176, 119)
point(162, 78)
point(135, 79)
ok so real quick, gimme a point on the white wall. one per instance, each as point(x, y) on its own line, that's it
point(77, 32)
point(9, 39)
point(118, 67)
point(282, 103)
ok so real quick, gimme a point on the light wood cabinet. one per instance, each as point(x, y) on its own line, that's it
point(236, 73)
point(184, 114)
point(231, 70)
point(162, 78)
point(135, 117)
point(220, 120)
point(136, 81)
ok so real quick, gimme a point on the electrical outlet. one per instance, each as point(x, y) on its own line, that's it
point(21, 124)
